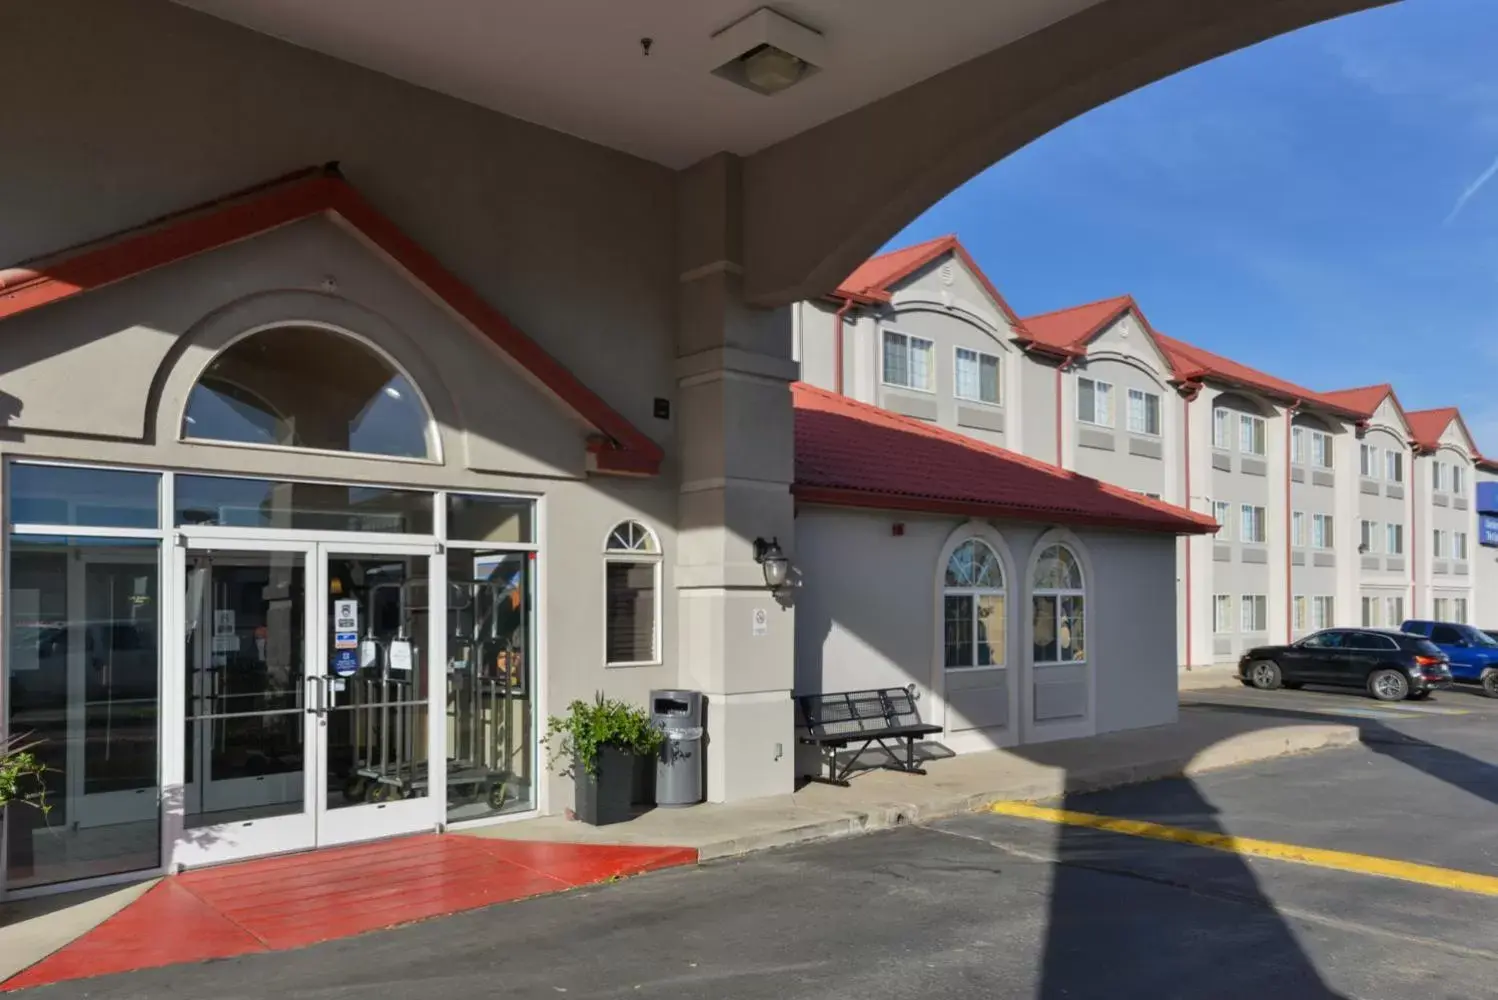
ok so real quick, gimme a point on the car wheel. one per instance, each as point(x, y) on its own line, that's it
point(1264, 675)
point(1389, 685)
point(1490, 683)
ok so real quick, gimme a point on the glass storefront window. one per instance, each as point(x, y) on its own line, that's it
point(82, 497)
point(472, 518)
point(83, 669)
point(223, 501)
point(491, 684)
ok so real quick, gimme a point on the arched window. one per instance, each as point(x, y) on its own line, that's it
point(974, 611)
point(632, 584)
point(309, 387)
point(1058, 602)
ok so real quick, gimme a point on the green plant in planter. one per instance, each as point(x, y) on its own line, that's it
point(20, 774)
point(577, 736)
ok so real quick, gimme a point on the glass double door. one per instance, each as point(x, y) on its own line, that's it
point(305, 686)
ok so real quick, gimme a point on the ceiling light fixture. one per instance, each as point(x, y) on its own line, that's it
point(767, 52)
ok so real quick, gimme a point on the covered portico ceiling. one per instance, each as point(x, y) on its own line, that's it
point(577, 66)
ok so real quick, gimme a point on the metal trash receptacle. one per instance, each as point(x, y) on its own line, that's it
point(679, 772)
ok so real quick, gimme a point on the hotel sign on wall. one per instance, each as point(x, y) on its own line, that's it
point(1487, 530)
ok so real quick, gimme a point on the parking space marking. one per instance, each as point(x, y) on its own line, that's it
point(1359, 864)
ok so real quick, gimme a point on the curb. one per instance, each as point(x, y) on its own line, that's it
point(1233, 752)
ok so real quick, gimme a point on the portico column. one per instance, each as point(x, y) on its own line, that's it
point(733, 370)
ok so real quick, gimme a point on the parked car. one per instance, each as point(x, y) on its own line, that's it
point(1389, 665)
point(1472, 652)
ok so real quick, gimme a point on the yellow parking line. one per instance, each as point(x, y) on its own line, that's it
point(1362, 864)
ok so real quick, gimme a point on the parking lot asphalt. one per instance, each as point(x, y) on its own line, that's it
point(1006, 907)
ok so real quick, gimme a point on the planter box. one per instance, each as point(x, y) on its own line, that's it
point(606, 796)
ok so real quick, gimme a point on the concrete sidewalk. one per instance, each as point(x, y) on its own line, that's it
point(1202, 740)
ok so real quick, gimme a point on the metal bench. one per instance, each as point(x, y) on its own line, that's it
point(836, 721)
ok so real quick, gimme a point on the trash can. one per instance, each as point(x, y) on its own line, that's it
point(679, 770)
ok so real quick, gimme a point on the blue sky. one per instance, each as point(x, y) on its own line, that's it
point(1323, 206)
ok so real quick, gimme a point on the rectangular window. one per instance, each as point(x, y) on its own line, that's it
point(1298, 616)
point(1321, 531)
point(629, 611)
point(80, 497)
point(1394, 466)
point(1298, 445)
point(1251, 523)
point(1458, 480)
point(1094, 402)
point(1459, 609)
point(1321, 449)
point(907, 362)
point(1298, 529)
point(1368, 461)
point(1255, 612)
point(1394, 611)
point(1368, 536)
point(1459, 545)
point(270, 503)
point(1222, 613)
point(1250, 434)
point(977, 376)
point(1322, 613)
point(1223, 512)
point(1370, 612)
point(1438, 539)
point(1442, 609)
point(1220, 433)
point(1395, 533)
point(1144, 413)
point(475, 518)
point(1437, 477)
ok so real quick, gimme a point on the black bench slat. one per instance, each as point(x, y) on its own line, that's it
point(838, 719)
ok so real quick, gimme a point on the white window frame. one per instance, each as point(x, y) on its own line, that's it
point(1222, 511)
point(1322, 441)
point(910, 339)
point(1252, 427)
point(1298, 529)
point(1459, 546)
point(1222, 433)
point(1458, 480)
point(1437, 477)
point(1439, 609)
point(1459, 609)
point(977, 356)
point(1394, 610)
point(1323, 612)
point(1298, 445)
point(654, 556)
point(1394, 539)
point(1254, 613)
point(1144, 398)
point(1322, 531)
point(971, 595)
point(1368, 463)
point(1394, 466)
point(1222, 613)
point(1438, 543)
point(1299, 616)
point(1370, 608)
point(1096, 384)
point(1250, 516)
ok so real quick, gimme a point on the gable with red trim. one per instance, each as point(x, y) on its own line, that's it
point(875, 279)
point(617, 446)
point(1427, 427)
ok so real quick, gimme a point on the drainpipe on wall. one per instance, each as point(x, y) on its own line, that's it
point(1410, 481)
point(1187, 398)
point(1289, 518)
point(837, 345)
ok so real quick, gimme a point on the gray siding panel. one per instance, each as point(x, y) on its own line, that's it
point(910, 404)
point(1395, 490)
point(1439, 568)
point(1221, 461)
point(1460, 503)
point(1222, 553)
point(1297, 558)
point(1091, 437)
point(1440, 499)
point(1394, 564)
point(1460, 569)
point(1326, 559)
point(1297, 474)
point(982, 417)
point(1255, 555)
point(1145, 447)
point(1222, 647)
point(1320, 477)
point(1371, 562)
point(1253, 466)
point(1369, 487)
point(1060, 701)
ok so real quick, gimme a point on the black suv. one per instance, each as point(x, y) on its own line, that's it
point(1388, 664)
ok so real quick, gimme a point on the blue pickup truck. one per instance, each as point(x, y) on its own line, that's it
point(1473, 653)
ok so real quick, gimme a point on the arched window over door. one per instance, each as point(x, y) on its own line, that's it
point(974, 610)
point(1058, 599)
point(309, 387)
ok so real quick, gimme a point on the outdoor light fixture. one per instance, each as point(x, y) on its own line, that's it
point(776, 566)
point(767, 52)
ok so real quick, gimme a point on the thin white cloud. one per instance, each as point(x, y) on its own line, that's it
point(1472, 190)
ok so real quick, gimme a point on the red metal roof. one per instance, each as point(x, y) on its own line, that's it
point(874, 278)
point(1364, 399)
point(620, 447)
point(1427, 426)
point(1068, 330)
point(851, 454)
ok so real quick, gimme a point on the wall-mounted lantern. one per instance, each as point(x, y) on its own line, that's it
point(776, 566)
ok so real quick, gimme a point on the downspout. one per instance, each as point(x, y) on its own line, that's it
point(1411, 482)
point(1289, 519)
point(1188, 397)
point(837, 345)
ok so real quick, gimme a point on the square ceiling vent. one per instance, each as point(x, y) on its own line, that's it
point(767, 52)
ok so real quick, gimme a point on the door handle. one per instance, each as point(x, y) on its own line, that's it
point(316, 701)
